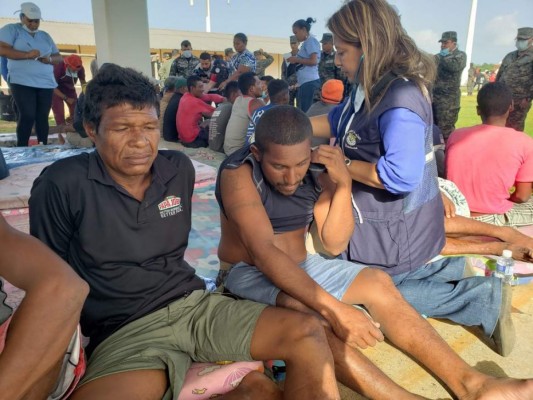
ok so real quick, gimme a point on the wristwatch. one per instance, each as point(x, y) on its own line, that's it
point(347, 161)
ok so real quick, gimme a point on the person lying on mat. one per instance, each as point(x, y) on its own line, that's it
point(121, 217)
point(34, 340)
point(269, 192)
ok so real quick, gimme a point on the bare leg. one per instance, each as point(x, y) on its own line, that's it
point(352, 368)
point(42, 388)
point(512, 239)
point(299, 340)
point(254, 386)
point(404, 327)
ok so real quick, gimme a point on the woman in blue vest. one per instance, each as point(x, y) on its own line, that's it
point(385, 131)
point(31, 54)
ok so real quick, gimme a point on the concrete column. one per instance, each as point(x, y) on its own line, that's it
point(121, 33)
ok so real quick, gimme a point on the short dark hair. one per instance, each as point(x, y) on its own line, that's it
point(494, 99)
point(205, 56)
point(283, 124)
point(304, 23)
point(267, 78)
point(192, 80)
point(242, 37)
point(230, 88)
point(170, 82)
point(246, 81)
point(186, 43)
point(277, 88)
point(114, 85)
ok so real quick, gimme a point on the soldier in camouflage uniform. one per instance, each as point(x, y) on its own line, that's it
point(263, 60)
point(185, 64)
point(516, 72)
point(446, 91)
point(327, 68)
point(288, 70)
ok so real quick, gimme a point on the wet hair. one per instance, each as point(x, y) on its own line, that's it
point(277, 89)
point(242, 37)
point(375, 27)
point(192, 81)
point(114, 85)
point(231, 88)
point(246, 81)
point(283, 124)
point(304, 24)
point(494, 99)
point(205, 56)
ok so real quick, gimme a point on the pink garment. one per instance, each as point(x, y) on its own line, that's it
point(190, 113)
point(485, 161)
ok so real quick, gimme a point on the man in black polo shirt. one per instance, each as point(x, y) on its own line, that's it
point(121, 217)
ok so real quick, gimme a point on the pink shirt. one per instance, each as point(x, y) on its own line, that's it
point(485, 161)
point(190, 113)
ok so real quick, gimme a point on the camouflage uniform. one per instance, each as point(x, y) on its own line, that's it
point(183, 66)
point(328, 70)
point(471, 82)
point(288, 74)
point(447, 91)
point(261, 65)
point(516, 72)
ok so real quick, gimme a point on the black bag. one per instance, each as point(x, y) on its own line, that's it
point(4, 172)
point(7, 110)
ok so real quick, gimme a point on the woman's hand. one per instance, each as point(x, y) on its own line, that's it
point(33, 54)
point(293, 60)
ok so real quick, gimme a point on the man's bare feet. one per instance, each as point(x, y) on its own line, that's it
point(503, 389)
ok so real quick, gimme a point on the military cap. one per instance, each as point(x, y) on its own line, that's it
point(228, 51)
point(293, 39)
point(524, 33)
point(326, 38)
point(449, 35)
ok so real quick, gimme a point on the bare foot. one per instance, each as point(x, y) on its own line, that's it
point(503, 389)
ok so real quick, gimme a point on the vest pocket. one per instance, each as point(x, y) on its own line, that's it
point(377, 242)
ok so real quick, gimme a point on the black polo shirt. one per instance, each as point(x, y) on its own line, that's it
point(170, 131)
point(129, 252)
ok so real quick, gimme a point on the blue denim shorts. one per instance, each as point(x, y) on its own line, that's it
point(334, 275)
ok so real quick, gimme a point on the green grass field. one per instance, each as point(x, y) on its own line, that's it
point(467, 117)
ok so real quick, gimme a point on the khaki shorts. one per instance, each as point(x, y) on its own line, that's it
point(203, 327)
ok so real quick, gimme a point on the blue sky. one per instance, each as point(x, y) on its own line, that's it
point(496, 23)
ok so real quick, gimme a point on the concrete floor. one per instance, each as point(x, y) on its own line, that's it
point(469, 346)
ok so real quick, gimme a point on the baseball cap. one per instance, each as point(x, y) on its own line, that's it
point(332, 91)
point(449, 35)
point(30, 10)
point(180, 82)
point(293, 39)
point(73, 61)
point(524, 33)
point(326, 38)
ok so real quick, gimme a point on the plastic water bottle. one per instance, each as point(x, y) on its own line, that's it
point(504, 267)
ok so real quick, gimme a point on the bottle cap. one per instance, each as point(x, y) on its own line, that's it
point(507, 253)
